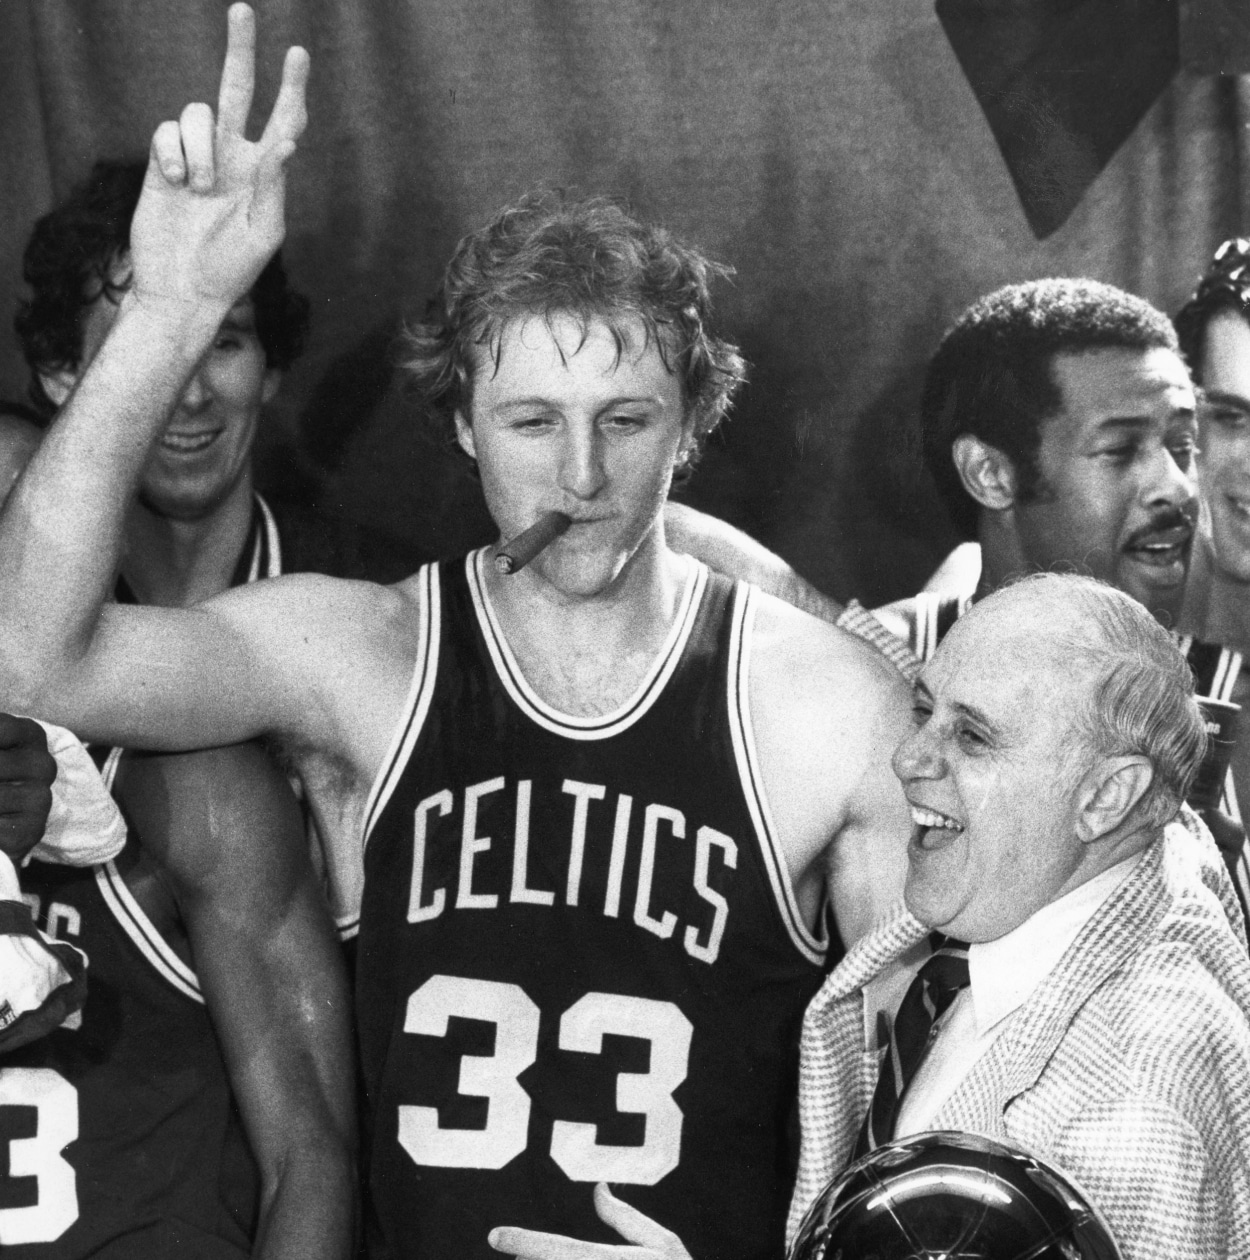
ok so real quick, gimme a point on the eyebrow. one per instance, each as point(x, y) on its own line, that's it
point(239, 319)
point(1137, 424)
point(921, 692)
point(1226, 398)
point(538, 400)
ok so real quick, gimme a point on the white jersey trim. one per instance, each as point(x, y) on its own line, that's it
point(416, 706)
point(136, 924)
point(810, 946)
point(131, 917)
point(604, 725)
point(274, 567)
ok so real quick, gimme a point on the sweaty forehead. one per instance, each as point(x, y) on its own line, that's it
point(535, 354)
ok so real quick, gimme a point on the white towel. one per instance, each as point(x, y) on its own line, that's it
point(43, 980)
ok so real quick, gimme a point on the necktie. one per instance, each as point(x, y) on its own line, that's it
point(935, 987)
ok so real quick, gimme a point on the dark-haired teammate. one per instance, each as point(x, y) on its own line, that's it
point(200, 1103)
point(1060, 425)
point(597, 804)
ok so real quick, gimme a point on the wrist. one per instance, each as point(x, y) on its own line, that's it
point(183, 328)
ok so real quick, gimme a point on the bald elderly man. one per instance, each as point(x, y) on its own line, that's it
point(1102, 1019)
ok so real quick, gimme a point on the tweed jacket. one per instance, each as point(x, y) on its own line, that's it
point(1129, 1066)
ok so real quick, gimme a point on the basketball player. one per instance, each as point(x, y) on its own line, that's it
point(594, 806)
point(201, 1103)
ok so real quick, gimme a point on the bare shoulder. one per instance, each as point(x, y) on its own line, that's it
point(814, 665)
point(301, 604)
point(828, 711)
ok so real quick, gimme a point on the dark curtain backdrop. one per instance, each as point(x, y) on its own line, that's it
point(831, 151)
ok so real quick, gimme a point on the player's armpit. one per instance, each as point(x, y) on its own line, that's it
point(272, 972)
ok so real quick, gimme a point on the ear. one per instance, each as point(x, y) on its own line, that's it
point(1110, 793)
point(57, 385)
point(987, 474)
point(269, 387)
point(685, 447)
point(464, 435)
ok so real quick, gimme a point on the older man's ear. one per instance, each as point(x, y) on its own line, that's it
point(1110, 792)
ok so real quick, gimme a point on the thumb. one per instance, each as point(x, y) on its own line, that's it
point(633, 1226)
point(268, 211)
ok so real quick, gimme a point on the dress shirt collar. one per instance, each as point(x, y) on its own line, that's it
point(1004, 972)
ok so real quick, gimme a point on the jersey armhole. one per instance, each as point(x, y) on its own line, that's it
point(416, 706)
point(812, 948)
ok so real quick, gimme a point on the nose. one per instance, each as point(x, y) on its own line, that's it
point(581, 472)
point(919, 756)
point(1170, 483)
point(196, 395)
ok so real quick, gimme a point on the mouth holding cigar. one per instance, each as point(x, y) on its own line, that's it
point(515, 554)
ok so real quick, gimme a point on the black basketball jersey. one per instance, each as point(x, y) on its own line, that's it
point(119, 1135)
point(580, 955)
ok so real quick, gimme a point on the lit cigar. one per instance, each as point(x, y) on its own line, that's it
point(513, 556)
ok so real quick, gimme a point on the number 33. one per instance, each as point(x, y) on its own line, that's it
point(582, 1027)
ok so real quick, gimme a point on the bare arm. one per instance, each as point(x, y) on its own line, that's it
point(829, 711)
point(230, 843)
point(210, 215)
point(728, 550)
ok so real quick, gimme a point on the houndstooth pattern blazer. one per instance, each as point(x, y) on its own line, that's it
point(1129, 1067)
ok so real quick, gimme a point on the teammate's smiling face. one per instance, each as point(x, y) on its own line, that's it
point(987, 775)
point(207, 443)
point(1225, 457)
point(568, 420)
point(1119, 495)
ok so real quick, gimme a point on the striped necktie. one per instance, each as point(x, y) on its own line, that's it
point(935, 987)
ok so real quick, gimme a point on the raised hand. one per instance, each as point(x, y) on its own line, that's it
point(212, 209)
point(645, 1239)
point(27, 770)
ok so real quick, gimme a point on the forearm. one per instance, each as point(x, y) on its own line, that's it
point(307, 1208)
point(728, 550)
point(61, 530)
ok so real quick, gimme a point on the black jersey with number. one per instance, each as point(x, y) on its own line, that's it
point(119, 1136)
point(580, 955)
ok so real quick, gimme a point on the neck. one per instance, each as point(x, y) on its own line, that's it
point(1217, 603)
point(1002, 557)
point(174, 563)
point(587, 654)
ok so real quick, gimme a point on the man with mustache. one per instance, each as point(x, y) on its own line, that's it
point(1060, 426)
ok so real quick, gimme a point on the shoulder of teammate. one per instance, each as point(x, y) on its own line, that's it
point(829, 710)
point(840, 703)
point(828, 666)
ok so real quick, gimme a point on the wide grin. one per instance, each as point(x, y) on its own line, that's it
point(1167, 547)
point(189, 443)
point(932, 830)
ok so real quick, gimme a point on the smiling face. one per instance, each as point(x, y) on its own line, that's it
point(1225, 439)
point(992, 773)
point(564, 422)
point(1119, 493)
point(206, 447)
